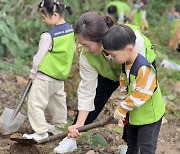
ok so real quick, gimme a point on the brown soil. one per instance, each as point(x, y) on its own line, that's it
point(10, 91)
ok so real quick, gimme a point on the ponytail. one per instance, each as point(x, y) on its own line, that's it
point(50, 6)
point(68, 8)
point(109, 21)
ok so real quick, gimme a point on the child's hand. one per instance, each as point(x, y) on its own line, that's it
point(32, 77)
point(120, 117)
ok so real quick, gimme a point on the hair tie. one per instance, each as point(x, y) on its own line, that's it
point(42, 3)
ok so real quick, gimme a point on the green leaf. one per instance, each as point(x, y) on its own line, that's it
point(4, 40)
point(1, 51)
point(171, 97)
point(98, 139)
point(10, 21)
point(117, 130)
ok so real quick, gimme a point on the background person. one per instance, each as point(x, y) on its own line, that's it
point(174, 17)
point(139, 15)
point(118, 10)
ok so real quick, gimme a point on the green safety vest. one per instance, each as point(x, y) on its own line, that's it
point(112, 70)
point(121, 7)
point(138, 18)
point(152, 110)
point(57, 62)
point(175, 23)
point(103, 66)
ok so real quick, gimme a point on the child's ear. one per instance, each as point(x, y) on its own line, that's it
point(55, 14)
point(130, 49)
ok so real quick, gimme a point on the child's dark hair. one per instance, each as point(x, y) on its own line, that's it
point(145, 2)
point(93, 26)
point(112, 9)
point(48, 7)
point(118, 37)
point(177, 8)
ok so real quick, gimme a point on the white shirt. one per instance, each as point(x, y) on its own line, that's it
point(89, 78)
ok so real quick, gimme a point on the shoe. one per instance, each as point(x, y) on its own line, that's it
point(123, 149)
point(66, 145)
point(53, 129)
point(36, 136)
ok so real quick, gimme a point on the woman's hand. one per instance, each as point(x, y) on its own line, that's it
point(73, 132)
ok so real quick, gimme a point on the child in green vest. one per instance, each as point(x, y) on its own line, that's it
point(139, 15)
point(139, 86)
point(99, 74)
point(118, 10)
point(174, 17)
point(51, 66)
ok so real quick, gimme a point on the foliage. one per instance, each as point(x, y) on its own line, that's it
point(81, 6)
point(11, 43)
point(18, 66)
point(92, 139)
point(98, 140)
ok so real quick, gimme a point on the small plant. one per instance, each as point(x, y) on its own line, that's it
point(98, 140)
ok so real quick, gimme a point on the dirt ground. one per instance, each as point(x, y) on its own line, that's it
point(10, 91)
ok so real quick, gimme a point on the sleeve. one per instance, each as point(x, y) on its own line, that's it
point(144, 17)
point(87, 86)
point(121, 18)
point(142, 90)
point(45, 44)
point(123, 86)
point(139, 44)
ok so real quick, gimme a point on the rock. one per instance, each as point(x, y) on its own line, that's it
point(90, 152)
point(21, 81)
point(177, 87)
point(178, 130)
point(71, 113)
point(164, 120)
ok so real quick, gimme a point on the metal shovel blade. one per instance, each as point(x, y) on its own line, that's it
point(9, 126)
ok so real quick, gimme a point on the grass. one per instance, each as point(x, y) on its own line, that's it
point(18, 66)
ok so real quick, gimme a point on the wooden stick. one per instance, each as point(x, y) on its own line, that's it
point(80, 129)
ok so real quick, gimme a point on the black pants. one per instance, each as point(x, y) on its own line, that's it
point(145, 136)
point(104, 90)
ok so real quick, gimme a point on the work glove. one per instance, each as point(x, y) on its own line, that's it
point(145, 27)
point(120, 117)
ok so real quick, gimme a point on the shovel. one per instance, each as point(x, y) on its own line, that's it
point(20, 139)
point(11, 119)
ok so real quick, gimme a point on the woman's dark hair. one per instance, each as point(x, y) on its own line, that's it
point(118, 37)
point(48, 7)
point(93, 26)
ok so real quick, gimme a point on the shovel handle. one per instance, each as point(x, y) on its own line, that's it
point(80, 129)
point(21, 102)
